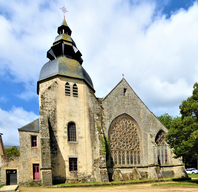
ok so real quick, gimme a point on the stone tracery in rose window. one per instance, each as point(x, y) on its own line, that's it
point(124, 141)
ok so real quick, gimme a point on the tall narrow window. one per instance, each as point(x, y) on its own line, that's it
point(67, 89)
point(135, 162)
point(73, 166)
point(115, 158)
point(127, 157)
point(34, 141)
point(71, 132)
point(131, 158)
point(138, 156)
point(162, 148)
point(75, 90)
point(119, 157)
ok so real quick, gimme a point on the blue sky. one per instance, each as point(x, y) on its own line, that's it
point(154, 43)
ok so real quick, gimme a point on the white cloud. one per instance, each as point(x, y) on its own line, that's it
point(11, 120)
point(157, 55)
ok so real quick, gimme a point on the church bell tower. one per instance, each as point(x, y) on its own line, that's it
point(66, 97)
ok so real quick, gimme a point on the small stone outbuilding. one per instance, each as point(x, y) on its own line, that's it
point(81, 138)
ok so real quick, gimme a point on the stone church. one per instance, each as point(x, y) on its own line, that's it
point(81, 138)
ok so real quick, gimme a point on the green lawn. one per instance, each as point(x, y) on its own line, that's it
point(193, 183)
point(92, 183)
point(76, 183)
point(187, 183)
point(193, 175)
point(176, 181)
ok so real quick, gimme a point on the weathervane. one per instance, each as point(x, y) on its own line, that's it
point(122, 75)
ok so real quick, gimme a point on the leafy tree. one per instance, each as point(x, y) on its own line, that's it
point(183, 133)
point(13, 151)
point(166, 120)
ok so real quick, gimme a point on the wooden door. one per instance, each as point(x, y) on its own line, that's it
point(11, 177)
point(36, 172)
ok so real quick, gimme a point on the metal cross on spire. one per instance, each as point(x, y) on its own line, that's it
point(64, 10)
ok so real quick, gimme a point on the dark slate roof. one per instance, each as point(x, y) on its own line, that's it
point(31, 127)
point(65, 67)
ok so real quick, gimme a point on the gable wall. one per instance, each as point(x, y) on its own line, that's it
point(116, 104)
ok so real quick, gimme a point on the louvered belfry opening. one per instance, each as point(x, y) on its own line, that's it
point(64, 45)
point(67, 89)
point(75, 90)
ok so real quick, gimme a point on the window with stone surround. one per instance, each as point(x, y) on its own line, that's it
point(124, 141)
point(73, 164)
point(75, 90)
point(33, 141)
point(67, 89)
point(71, 131)
point(161, 148)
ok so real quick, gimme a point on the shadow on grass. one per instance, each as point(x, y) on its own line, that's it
point(181, 182)
point(181, 179)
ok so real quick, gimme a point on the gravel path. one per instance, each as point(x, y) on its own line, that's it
point(128, 188)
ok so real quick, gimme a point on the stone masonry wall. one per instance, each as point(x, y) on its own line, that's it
point(98, 140)
point(56, 111)
point(123, 100)
point(28, 155)
point(24, 163)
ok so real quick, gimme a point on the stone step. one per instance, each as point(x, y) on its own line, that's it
point(9, 188)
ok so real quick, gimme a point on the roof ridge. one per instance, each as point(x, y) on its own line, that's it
point(113, 89)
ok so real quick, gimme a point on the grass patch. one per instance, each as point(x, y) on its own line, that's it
point(109, 183)
point(193, 175)
point(68, 184)
point(193, 183)
point(1, 186)
point(178, 184)
point(176, 181)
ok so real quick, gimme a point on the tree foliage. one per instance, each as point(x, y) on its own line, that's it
point(13, 151)
point(183, 133)
point(166, 120)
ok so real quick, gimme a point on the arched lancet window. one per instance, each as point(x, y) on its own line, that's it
point(71, 132)
point(124, 141)
point(161, 148)
point(67, 89)
point(75, 90)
